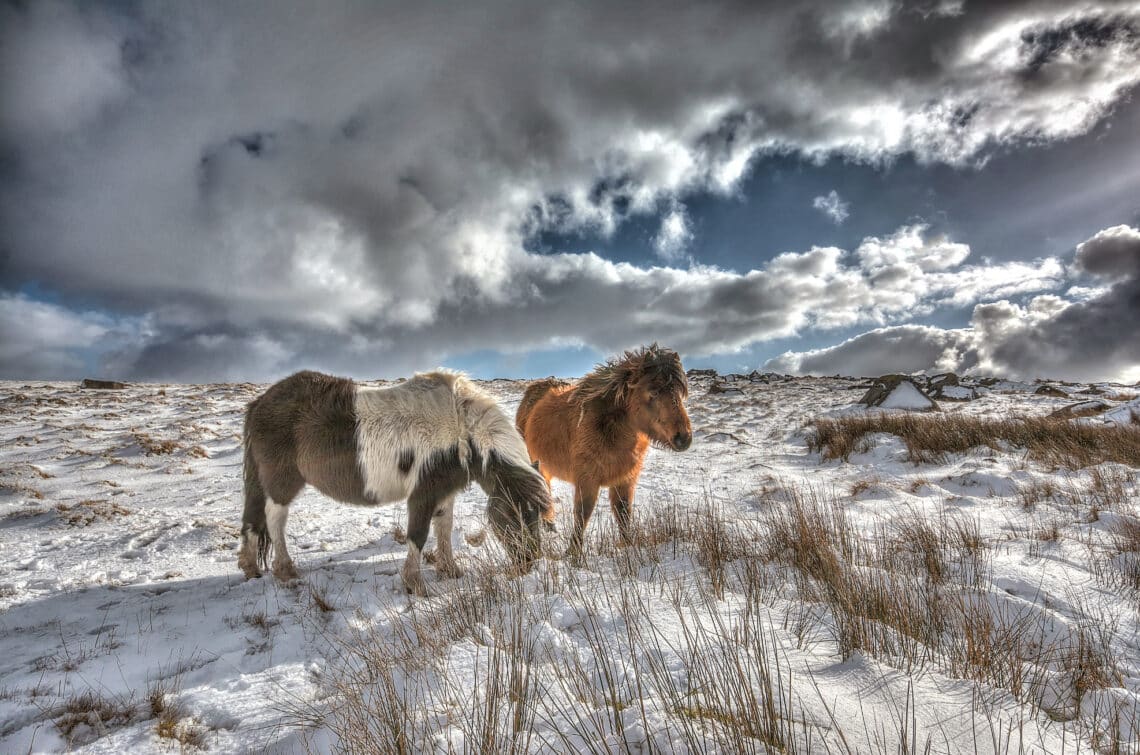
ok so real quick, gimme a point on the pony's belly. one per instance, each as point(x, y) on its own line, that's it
point(378, 492)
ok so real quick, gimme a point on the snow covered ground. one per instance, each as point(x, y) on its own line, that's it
point(125, 625)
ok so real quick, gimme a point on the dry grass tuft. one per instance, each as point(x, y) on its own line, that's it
point(914, 594)
point(171, 720)
point(320, 598)
point(88, 512)
point(154, 446)
point(88, 716)
point(1126, 559)
point(930, 439)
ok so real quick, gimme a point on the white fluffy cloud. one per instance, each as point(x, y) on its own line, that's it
point(832, 206)
point(269, 182)
point(1090, 336)
point(674, 235)
point(43, 340)
point(565, 299)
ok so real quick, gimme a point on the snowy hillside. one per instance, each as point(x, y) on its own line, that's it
point(984, 600)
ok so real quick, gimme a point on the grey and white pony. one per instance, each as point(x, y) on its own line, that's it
point(423, 440)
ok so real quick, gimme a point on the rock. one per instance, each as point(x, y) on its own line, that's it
point(898, 392)
point(934, 382)
point(1081, 409)
point(1050, 390)
point(956, 393)
point(1124, 414)
point(948, 386)
point(724, 387)
point(102, 385)
point(701, 373)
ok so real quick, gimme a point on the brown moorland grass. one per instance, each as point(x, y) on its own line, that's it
point(930, 439)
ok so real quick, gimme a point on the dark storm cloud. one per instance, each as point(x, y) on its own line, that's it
point(1088, 339)
point(267, 185)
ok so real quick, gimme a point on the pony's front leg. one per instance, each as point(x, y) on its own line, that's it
point(621, 501)
point(419, 521)
point(442, 522)
point(585, 497)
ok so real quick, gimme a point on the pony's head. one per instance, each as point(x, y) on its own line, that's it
point(650, 386)
point(517, 498)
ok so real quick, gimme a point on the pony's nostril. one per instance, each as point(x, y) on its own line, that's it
point(681, 441)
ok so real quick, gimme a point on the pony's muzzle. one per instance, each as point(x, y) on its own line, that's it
point(682, 441)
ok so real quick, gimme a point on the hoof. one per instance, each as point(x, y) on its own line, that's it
point(285, 572)
point(450, 571)
point(419, 589)
point(249, 568)
point(549, 526)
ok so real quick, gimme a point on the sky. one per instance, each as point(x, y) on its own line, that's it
point(209, 192)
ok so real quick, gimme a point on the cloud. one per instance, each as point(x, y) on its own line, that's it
point(62, 67)
point(902, 348)
point(674, 236)
point(46, 341)
point(1088, 336)
point(1112, 253)
point(244, 174)
point(832, 206)
point(582, 299)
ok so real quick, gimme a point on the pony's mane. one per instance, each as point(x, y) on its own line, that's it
point(489, 429)
point(609, 381)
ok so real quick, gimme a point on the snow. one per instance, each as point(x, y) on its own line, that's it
point(906, 396)
point(1124, 414)
point(958, 392)
point(119, 514)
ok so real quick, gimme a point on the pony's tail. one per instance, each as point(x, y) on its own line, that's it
point(253, 516)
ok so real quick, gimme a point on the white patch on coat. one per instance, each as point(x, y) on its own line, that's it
point(429, 413)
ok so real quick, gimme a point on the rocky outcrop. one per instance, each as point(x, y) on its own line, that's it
point(1082, 409)
point(898, 392)
point(948, 386)
point(102, 385)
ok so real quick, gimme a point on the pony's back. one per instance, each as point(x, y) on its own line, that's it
point(531, 396)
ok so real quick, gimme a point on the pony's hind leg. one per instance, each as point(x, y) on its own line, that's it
point(442, 522)
point(276, 516)
point(254, 533)
point(549, 512)
point(282, 484)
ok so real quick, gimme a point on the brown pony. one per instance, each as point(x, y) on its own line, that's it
point(594, 433)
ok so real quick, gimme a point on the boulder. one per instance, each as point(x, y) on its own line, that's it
point(1050, 390)
point(1082, 409)
point(102, 385)
point(1124, 414)
point(934, 382)
point(948, 386)
point(721, 386)
point(898, 392)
